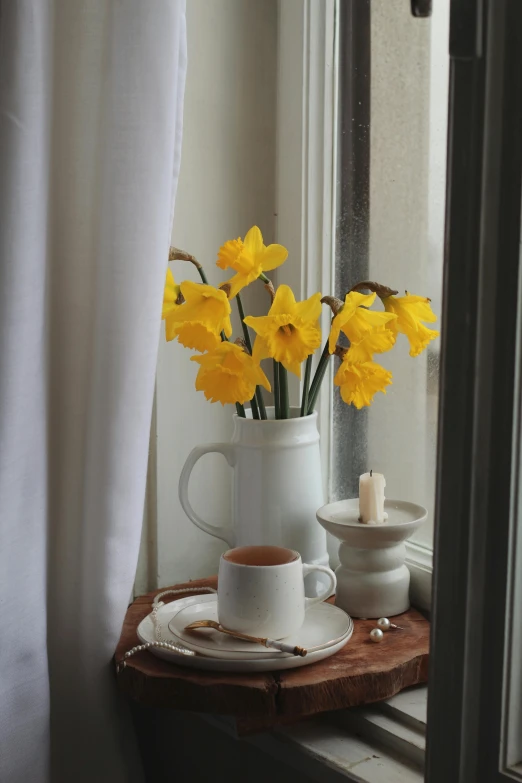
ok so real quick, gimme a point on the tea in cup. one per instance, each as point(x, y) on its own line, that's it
point(261, 590)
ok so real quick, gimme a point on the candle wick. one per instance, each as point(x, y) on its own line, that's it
point(371, 472)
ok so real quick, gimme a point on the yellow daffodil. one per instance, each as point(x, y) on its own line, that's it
point(411, 310)
point(378, 340)
point(290, 332)
point(356, 321)
point(199, 322)
point(359, 381)
point(228, 375)
point(249, 258)
point(171, 303)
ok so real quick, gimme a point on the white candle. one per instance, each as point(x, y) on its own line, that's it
point(371, 498)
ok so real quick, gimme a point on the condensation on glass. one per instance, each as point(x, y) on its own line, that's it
point(391, 193)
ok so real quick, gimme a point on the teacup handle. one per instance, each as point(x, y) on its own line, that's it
point(224, 533)
point(307, 569)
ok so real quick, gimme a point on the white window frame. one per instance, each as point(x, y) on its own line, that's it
point(306, 141)
point(307, 121)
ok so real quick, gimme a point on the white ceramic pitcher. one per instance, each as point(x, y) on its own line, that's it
point(277, 487)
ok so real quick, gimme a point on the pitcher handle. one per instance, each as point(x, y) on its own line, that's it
point(307, 569)
point(224, 533)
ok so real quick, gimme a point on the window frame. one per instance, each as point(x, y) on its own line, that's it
point(466, 736)
point(306, 143)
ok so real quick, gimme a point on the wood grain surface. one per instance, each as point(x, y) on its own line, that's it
point(361, 673)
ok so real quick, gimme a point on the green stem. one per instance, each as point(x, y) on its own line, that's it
point(240, 410)
point(318, 378)
point(264, 278)
point(257, 402)
point(246, 333)
point(277, 399)
point(306, 385)
point(260, 402)
point(202, 275)
point(255, 409)
point(283, 389)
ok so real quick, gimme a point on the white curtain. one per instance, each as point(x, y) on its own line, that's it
point(91, 95)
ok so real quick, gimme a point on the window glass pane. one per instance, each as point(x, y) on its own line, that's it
point(392, 162)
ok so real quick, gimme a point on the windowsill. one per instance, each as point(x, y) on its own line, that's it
point(380, 743)
point(419, 560)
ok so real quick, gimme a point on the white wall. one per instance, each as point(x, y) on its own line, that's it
point(227, 184)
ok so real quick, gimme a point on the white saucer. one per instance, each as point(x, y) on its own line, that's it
point(324, 626)
point(274, 661)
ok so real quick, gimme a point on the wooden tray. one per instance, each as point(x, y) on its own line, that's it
point(360, 673)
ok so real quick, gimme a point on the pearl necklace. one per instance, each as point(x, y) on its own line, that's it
point(160, 642)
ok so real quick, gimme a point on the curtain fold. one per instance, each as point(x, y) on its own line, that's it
point(91, 96)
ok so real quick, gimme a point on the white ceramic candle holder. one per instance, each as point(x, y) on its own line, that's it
point(372, 579)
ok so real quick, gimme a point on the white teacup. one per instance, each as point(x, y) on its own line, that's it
point(261, 590)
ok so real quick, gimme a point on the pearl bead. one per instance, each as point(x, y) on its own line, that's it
point(383, 623)
point(376, 635)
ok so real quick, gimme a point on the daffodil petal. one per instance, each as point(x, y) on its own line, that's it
point(284, 301)
point(410, 312)
point(377, 340)
point(255, 374)
point(240, 281)
point(254, 241)
point(263, 381)
point(356, 299)
point(261, 324)
point(420, 339)
point(170, 303)
point(168, 308)
point(191, 291)
point(421, 306)
point(170, 329)
point(293, 367)
point(260, 350)
point(274, 256)
point(335, 331)
point(363, 321)
point(171, 289)
point(309, 309)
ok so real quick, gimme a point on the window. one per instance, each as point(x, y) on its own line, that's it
point(392, 161)
point(354, 129)
point(349, 98)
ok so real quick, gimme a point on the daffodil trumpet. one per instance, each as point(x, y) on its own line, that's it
point(228, 374)
point(197, 315)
